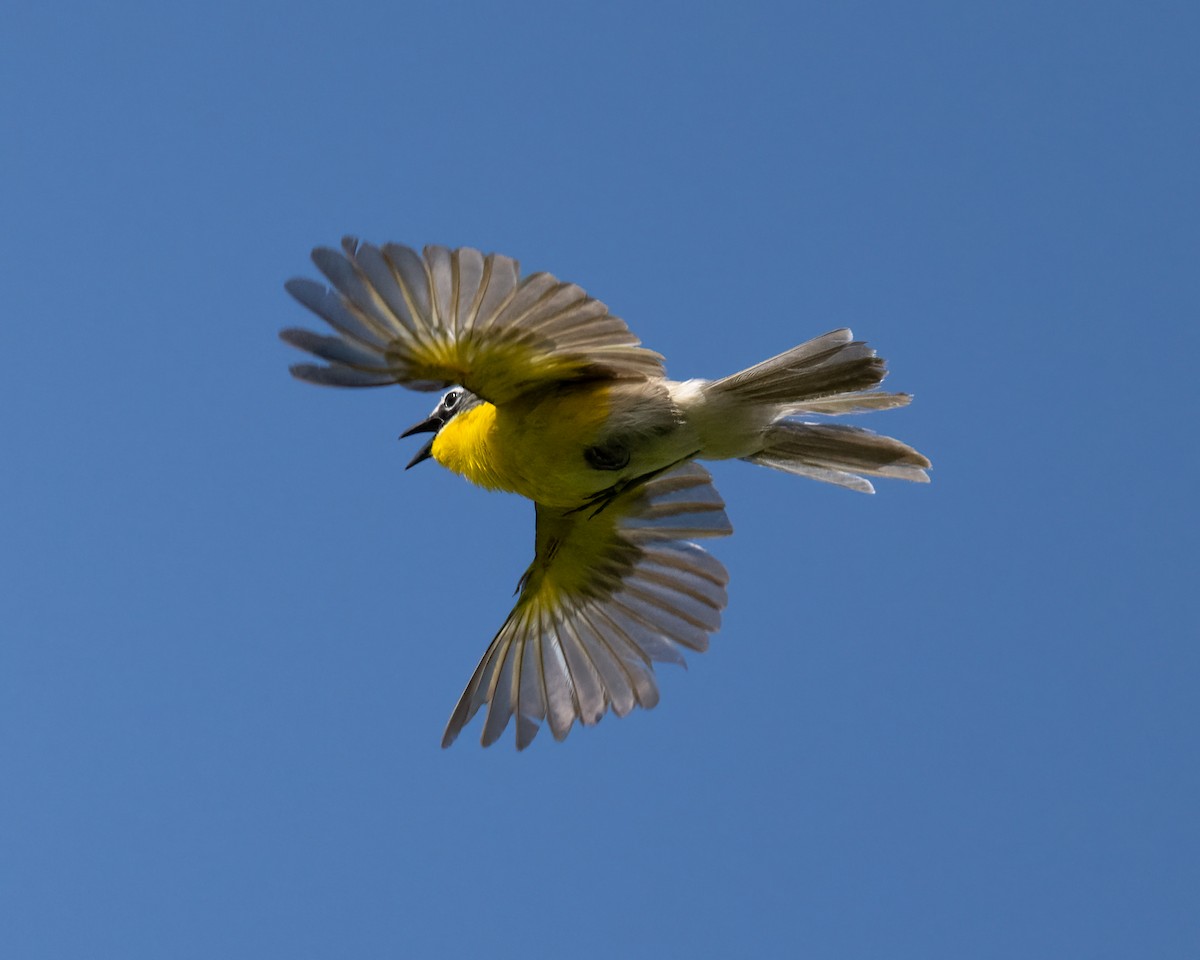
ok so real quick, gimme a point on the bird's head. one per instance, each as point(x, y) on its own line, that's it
point(453, 402)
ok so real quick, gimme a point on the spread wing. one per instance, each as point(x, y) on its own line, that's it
point(605, 597)
point(456, 317)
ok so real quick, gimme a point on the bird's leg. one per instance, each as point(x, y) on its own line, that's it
point(603, 498)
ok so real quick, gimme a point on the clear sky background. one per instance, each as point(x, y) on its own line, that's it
point(947, 721)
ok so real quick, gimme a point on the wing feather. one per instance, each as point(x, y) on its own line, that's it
point(382, 276)
point(618, 687)
point(336, 312)
point(414, 281)
point(440, 265)
point(339, 376)
point(641, 620)
point(561, 705)
point(501, 695)
point(457, 316)
point(531, 689)
point(605, 598)
point(585, 677)
point(634, 662)
point(337, 350)
point(469, 276)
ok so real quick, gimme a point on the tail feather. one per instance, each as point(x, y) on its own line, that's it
point(838, 454)
point(860, 401)
point(830, 374)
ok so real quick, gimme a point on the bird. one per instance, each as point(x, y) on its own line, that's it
point(550, 396)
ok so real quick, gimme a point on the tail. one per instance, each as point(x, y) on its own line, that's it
point(830, 375)
point(838, 454)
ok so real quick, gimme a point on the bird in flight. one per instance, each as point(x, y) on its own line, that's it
point(553, 398)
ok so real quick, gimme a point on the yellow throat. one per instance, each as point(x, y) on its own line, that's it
point(533, 448)
point(466, 445)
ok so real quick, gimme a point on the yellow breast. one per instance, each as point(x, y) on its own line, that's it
point(533, 447)
point(467, 445)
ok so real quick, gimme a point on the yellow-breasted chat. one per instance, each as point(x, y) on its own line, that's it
point(553, 398)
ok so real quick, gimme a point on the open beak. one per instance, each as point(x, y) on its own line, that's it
point(430, 425)
point(424, 453)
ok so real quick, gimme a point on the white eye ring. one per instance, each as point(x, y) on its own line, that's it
point(450, 400)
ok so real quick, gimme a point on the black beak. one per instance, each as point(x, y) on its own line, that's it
point(424, 453)
point(430, 425)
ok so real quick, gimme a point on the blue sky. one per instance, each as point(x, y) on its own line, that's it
point(948, 721)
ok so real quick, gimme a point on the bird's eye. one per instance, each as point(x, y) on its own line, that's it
point(450, 400)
